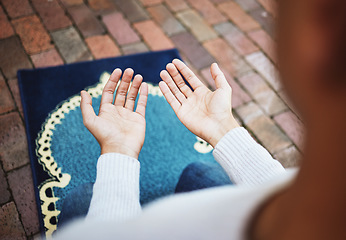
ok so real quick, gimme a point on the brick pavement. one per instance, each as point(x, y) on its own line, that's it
point(238, 34)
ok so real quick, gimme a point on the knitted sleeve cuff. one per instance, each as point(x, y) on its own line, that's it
point(116, 189)
point(244, 160)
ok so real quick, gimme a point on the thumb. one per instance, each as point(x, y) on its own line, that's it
point(88, 112)
point(218, 76)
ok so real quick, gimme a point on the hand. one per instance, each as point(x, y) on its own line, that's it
point(118, 128)
point(205, 113)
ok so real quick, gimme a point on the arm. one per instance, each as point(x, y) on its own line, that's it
point(244, 160)
point(116, 189)
point(120, 131)
point(209, 115)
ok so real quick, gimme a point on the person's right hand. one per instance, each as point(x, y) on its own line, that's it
point(205, 113)
point(117, 127)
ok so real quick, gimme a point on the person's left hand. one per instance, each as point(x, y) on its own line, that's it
point(205, 113)
point(118, 128)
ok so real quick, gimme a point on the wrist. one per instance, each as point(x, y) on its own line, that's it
point(119, 149)
point(223, 128)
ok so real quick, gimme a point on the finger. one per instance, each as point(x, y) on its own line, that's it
point(88, 112)
point(142, 99)
point(132, 95)
point(174, 89)
point(108, 90)
point(178, 79)
point(175, 104)
point(188, 74)
point(218, 76)
point(120, 96)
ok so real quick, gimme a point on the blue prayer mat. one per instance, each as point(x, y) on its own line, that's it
point(63, 153)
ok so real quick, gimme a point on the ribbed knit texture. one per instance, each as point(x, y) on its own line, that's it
point(244, 160)
point(116, 190)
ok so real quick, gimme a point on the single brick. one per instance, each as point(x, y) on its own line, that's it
point(196, 25)
point(264, 19)
point(176, 5)
point(292, 126)
point(5, 26)
point(6, 101)
point(5, 194)
point(120, 29)
point(102, 46)
point(226, 57)
point(47, 59)
point(265, 42)
point(265, 67)
point(13, 143)
point(289, 157)
point(236, 38)
point(166, 20)
point(249, 112)
point(133, 11)
point(272, 138)
point(237, 15)
point(10, 225)
point(52, 14)
point(71, 2)
point(239, 97)
point(85, 20)
point(270, 6)
point(247, 5)
point(17, 8)
point(153, 35)
point(71, 45)
point(150, 2)
point(13, 83)
point(102, 6)
point(12, 57)
point(34, 37)
point(138, 47)
point(22, 187)
point(189, 46)
point(208, 11)
point(262, 93)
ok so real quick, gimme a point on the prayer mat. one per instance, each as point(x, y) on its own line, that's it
point(63, 153)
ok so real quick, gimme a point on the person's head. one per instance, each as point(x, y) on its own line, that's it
point(312, 54)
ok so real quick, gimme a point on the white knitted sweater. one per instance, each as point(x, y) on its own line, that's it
point(215, 213)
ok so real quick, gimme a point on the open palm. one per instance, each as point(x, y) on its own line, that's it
point(118, 128)
point(204, 112)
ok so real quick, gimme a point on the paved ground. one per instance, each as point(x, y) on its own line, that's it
point(237, 34)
